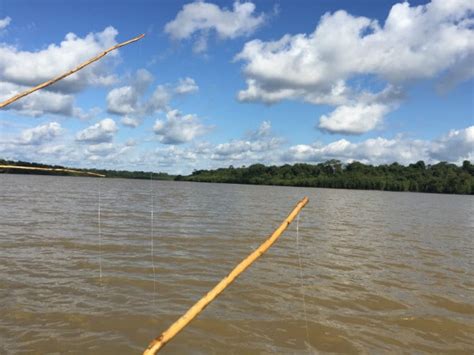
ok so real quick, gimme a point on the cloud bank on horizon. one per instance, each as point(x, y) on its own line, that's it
point(359, 72)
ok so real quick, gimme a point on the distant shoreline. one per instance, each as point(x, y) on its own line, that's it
point(438, 178)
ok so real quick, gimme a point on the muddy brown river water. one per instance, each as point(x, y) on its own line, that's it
point(382, 271)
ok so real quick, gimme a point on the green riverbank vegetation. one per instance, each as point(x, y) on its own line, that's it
point(440, 178)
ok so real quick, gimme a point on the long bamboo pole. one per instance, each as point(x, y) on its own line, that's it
point(58, 170)
point(62, 76)
point(197, 308)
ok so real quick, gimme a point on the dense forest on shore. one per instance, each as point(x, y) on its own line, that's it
point(419, 177)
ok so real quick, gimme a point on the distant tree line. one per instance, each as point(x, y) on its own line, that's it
point(109, 173)
point(440, 178)
point(419, 177)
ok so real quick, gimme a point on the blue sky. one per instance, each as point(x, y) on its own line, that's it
point(219, 83)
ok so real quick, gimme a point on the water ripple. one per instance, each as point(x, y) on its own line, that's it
point(383, 271)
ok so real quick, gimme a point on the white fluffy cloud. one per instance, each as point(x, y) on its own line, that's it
point(85, 115)
point(178, 129)
point(419, 42)
point(101, 132)
point(21, 69)
point(241, 149)
point(375, 150)
point(262, 146)
point(186, 86)
point(128, 102)
point(202, 17)
point(456, 146)
point(131, 101)
point(122, 101)
point(100, 149)
point(5, 22)
point(258, 145)
point(353, 119)
point(51, 144)
point(125, 100)
point(44, 101)
point(172, 155)
point(31, 68)
point(159, 100)
point(106, 153)
point(39, 102)
point(40, 134)
point(265, 130)
point(52, 150)
point(132, 122)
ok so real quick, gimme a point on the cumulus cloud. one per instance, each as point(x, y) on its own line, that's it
point(159, 100)
point(456, 146)
point(419, 42)
point(53, 150)
point(178, 129)
point(202, 17)
point(122, 101)
point(130, 121)
point(242, 149)
point(128, 102)
point(186, 86)
point(5, 22)
point(353, 119)
point(49, 143)
point(107, 153)
point(101, 149)
point(41, 143)
point(30, 68)
point(258, 145)
point(47, 152)
point(21, 69)
point(101, 132)
point(125, 100)
point(169, 158)
point(85, 115)
point(40, 134)
point(171, 155)
point(39, 102)
point(132, 103)
point(375, 151)
point(265, 130)
point(43, 101)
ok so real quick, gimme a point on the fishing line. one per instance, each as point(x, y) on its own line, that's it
point(100, 233)
point(152, 238)
point(301, 276)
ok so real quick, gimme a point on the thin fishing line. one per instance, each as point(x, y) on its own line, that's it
point(100, 233)
point(152, 237)
point(301, 276)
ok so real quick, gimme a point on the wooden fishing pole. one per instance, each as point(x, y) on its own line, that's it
point(57, 170)
point(60, 77)
point(159, 342)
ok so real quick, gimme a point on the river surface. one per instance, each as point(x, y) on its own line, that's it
point(382, 271)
